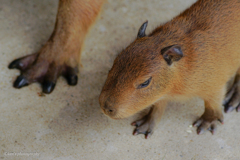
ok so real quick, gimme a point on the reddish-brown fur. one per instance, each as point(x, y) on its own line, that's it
point(209, 36)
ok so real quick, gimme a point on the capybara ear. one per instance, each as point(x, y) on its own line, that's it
point(172, 53)
point(142, 29)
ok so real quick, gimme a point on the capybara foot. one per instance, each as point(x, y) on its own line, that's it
point(45, 67)
point(203, 125)
point(144, 126)
point(232, 99)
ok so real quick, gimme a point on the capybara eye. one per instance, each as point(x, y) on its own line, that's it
point(145, 84)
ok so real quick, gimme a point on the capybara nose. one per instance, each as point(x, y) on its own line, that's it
point(108, 109)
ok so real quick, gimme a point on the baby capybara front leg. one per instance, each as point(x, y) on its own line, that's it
point(147, 124)
point(61, 54)
point(232, 99)
point(212, 114)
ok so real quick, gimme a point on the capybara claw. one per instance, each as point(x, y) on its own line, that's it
point(20, 82)
point(48, 87)
point(15, 64)
point(72, 80)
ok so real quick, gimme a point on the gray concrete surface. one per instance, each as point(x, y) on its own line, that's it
point(68, 124)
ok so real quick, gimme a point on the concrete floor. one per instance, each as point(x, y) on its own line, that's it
point(68, 124)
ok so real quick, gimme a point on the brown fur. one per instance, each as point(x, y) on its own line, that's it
point(209, 36)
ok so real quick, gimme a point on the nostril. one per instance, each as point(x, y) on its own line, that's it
point(108, 109)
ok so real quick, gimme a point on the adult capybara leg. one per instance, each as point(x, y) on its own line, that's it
point(232, 99)
point(61, 54)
